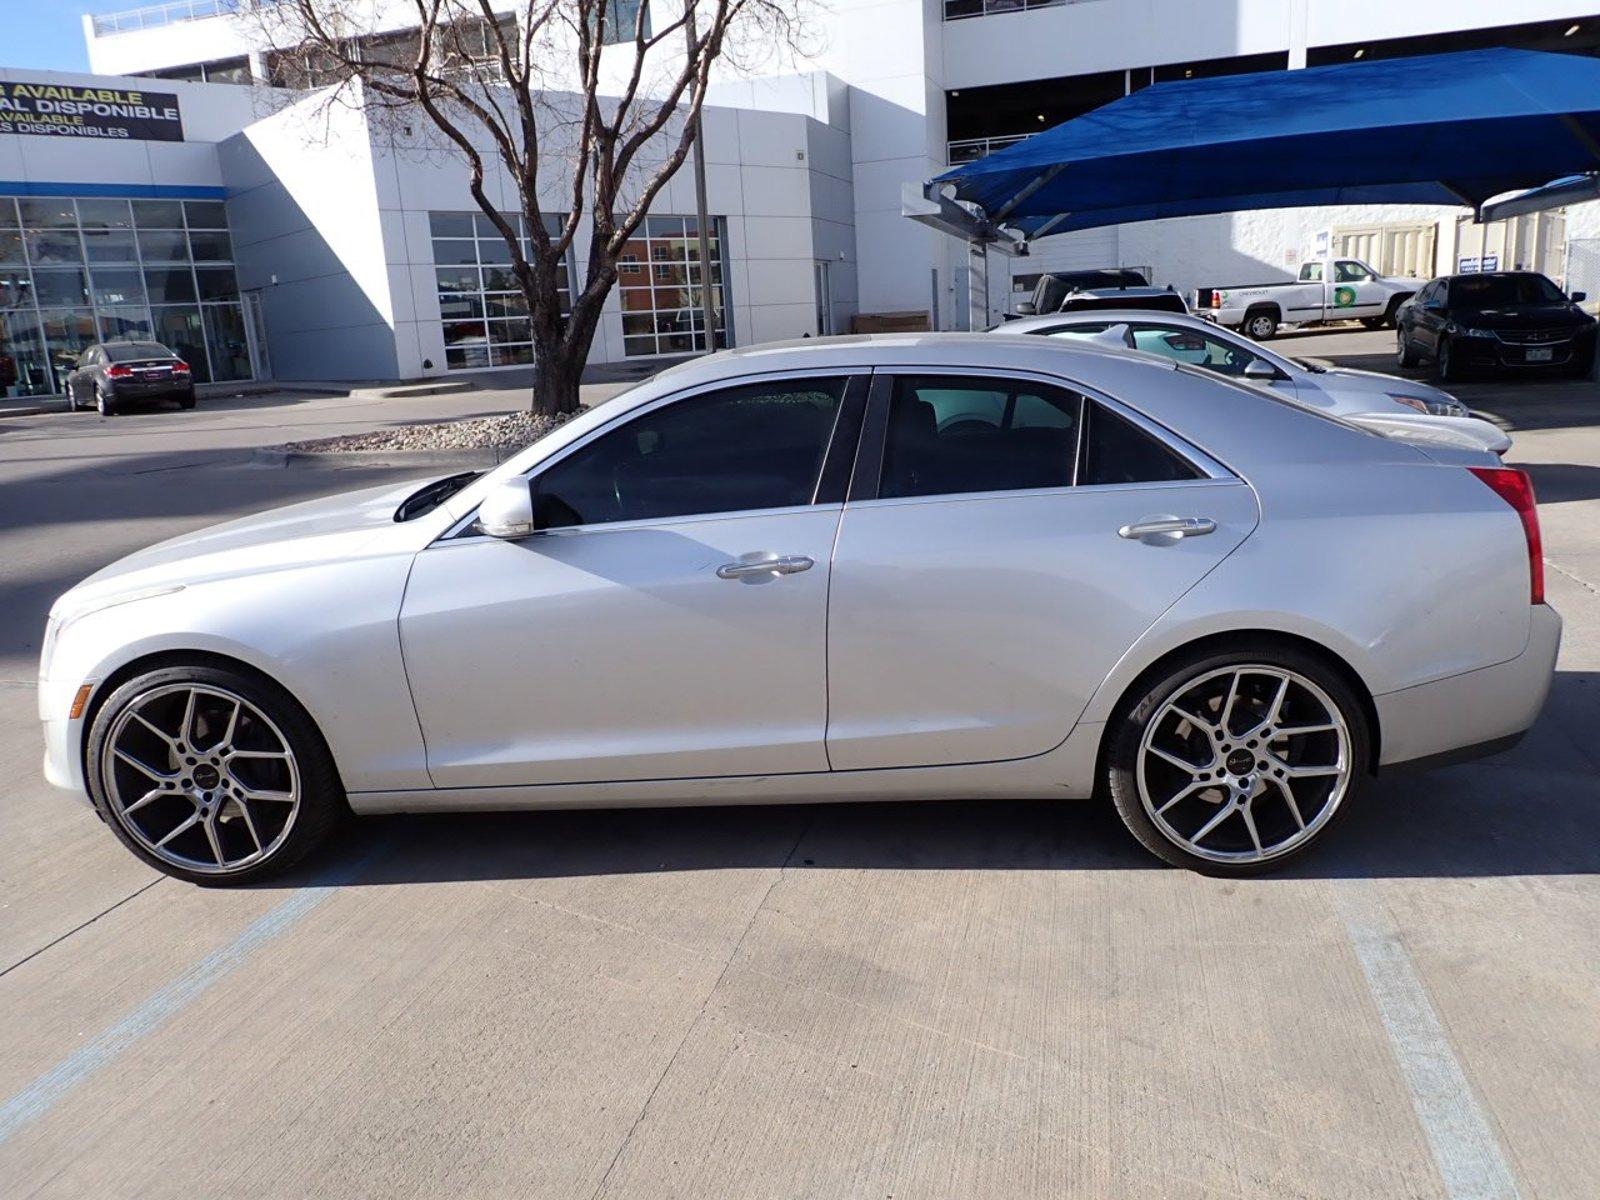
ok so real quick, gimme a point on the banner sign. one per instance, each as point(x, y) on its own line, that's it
point(89, 112)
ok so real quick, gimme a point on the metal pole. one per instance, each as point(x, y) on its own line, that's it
point(707, 309)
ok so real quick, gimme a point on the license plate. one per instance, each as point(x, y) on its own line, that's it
point(1542, 354)
point(157, 374)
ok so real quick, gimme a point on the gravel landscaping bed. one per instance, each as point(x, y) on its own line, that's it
point(478, 433)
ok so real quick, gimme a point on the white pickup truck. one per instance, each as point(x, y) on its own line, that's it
point(1328, 289)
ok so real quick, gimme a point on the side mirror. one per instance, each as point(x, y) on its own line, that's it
point(1260, 368)
point(507, 511)
point(1025, 308)
point(1579, 297)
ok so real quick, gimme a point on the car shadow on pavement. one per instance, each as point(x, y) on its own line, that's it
point(1533, 811)
point(1557, 483)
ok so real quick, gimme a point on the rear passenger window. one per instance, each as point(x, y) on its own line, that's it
point(1118, 451)
point(949, 435)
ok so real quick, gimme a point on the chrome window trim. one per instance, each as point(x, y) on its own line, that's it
point(463, 527)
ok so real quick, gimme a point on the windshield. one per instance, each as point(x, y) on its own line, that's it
point(128, 351)
point(1495, 291)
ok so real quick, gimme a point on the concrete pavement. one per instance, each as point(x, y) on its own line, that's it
point(857, 1000)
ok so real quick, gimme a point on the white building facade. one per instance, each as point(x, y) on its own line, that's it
point(355, 254)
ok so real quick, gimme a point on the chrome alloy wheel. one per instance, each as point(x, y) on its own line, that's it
point(200, 777)
point(1245, 763)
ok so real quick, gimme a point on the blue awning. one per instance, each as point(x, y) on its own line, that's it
point(1437, 129)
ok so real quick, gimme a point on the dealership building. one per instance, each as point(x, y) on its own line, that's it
point(193, 190)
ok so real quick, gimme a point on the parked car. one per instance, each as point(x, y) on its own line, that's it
point(109, 376)
point(1105, 287)
point(1498, 320)
point(1062, 571)
point(1327, 289)
point(1394, 407)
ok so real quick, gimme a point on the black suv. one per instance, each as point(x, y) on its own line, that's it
point(111, 375)
point(1497, 319)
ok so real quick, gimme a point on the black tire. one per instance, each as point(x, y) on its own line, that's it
point(1260, 324)
point(186, 402)
point(322, 806)
point(1404, 355)
point(1374, 322)
point(1444, 362)
point(1127, 731)
point(103, 403)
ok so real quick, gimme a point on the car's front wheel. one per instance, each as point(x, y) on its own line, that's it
point(211, 774)
point(1404, 355)
point(1235, 762)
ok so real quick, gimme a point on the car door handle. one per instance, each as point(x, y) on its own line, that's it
point(754, 568)
point(1180, 527)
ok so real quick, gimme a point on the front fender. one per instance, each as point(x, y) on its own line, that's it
point(326, 632)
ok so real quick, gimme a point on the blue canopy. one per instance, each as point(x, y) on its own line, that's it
point(1437, 129)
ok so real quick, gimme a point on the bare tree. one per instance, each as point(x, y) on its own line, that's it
point(589, 106)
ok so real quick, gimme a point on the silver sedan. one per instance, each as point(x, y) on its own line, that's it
point(1400, 408)
point(863, 568)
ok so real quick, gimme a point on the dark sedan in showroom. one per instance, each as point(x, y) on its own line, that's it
point(1495, 320)
point(111, 376)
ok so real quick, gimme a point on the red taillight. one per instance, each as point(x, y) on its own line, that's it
point(180, 368)
point(119, 372)
point(1516, 489)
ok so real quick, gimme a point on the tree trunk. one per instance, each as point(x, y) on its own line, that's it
point(556, 376)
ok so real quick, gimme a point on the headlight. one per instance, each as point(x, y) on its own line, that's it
point(1434, 406)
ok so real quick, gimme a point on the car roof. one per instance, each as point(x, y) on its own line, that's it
point(1492, 275)
point(1110, 316)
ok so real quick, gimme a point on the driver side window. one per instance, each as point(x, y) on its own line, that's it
point(1193, 347)
point(752, 447)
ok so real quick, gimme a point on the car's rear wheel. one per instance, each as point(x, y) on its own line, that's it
point(1374, 322)
point(1236, 762)
point(103, 402)
point(1260, 325)
point(186, 402)
point(212, 775)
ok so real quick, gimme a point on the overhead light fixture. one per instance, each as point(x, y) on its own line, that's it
point(1359, 53)
point(1041, 116)
point(1188, 73)
point(1572, 29)
point(955, 93)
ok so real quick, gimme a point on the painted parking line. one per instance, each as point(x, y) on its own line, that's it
point(40, 1096)
point(1469, 1156)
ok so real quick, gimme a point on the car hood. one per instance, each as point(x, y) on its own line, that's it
point(1522, 316)
point(332, 528)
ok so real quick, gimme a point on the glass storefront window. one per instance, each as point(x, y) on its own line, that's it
point(659, 280)
point(104, 214)
point(116, 286)
point(138, 254)
point(158, 214)
point(23, 369)
point(210, 246)
point(170, 285)
point(163, 245)
point(48, 214)
point(60, 287)
point(123, 324)
point(67, 333)
point(484, 313)
point(179, 330)
point(53, 246)
point(110, 245)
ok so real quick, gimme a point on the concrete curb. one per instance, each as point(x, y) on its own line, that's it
point(461, 459)
point(30, 410)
